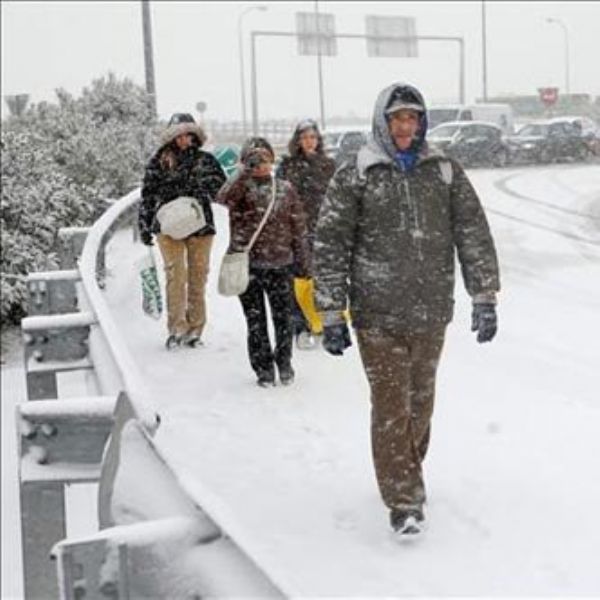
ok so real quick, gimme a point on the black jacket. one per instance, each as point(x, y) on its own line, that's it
point(197, 174)
point(310, 176)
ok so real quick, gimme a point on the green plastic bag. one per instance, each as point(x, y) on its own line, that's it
point(152, 303)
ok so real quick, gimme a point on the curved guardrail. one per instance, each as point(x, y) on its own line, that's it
point(168, 549)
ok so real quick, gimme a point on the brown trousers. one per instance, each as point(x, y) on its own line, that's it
point(186, 268)
point(401, 369)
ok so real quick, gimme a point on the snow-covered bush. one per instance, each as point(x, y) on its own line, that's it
point(60, 162)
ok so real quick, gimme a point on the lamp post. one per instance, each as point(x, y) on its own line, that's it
point(566, 34)
point(149, 55)
point(261, 7)
point(484, 50)
point(320, 67)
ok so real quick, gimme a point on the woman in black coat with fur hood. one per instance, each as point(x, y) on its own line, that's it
point(180, 169)
point(309, 170)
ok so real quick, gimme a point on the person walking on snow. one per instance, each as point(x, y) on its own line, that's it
point(309, 169)
point(279, 251)
point(386, 240)
point(179, 169)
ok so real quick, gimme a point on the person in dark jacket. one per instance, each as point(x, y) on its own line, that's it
point(180, 168)
point(279, 249)
point(309, 169)
point(387, 236)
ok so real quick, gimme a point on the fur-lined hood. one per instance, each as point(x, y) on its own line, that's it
point(175, 130)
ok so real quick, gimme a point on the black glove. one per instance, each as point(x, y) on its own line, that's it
point(299, 273)
point(336, 338)
point(484, 321)
point(146, 238)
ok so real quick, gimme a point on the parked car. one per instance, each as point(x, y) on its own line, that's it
point(488, 112)
point(547, 141)
point(343, 144)
point(471, 143)
point(588, 129)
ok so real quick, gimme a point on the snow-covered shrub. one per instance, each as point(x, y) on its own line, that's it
point(60, 162)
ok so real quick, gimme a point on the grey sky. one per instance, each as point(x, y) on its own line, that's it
point(49, 44)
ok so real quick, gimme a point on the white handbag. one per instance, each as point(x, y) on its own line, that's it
point(234, 273)
point(181, 217)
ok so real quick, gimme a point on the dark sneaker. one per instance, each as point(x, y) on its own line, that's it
point(266, 380)
point(407, 522)
point(286, 376)
point(192, 340)
point(173, 341)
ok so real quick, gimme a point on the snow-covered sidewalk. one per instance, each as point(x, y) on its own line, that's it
point(513, 499)
point(513, 506)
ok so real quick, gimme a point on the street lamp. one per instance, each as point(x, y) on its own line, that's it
point(149, 55)
point(566, 34)
point(261, 7)
point(484, 50)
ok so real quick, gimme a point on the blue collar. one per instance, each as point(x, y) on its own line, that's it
point(406, 159)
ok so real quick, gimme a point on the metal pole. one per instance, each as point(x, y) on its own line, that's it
point(320, 67)
point(484, 49)
point(242, 80)
point(567, 75)
point(253, 83)
point(148, 54)
point(461, 43)
point(566, 34)
point(260, 7)
point(352, 36)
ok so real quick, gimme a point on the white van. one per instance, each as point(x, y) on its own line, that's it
point(498, 114)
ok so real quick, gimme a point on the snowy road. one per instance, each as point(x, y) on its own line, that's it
point(513, 499)
point(513, 506)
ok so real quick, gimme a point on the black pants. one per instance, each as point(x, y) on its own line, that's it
point(276, 284)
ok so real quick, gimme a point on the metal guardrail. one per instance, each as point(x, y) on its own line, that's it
point(170, 548)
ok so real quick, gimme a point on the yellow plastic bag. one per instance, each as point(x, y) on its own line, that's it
point(304, 290)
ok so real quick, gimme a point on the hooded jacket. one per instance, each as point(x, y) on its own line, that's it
point(196, 173)
point(282, 241)
point(387, 237)
point(309, 174)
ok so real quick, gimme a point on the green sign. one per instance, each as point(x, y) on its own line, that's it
point(228, 157)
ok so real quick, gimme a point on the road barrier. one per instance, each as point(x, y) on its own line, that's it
point(154, 540)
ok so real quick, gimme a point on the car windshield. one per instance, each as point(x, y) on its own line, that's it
point(533, 129)
point(444, 131)
point(435, 116)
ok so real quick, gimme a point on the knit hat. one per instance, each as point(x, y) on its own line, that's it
point(404, 99)
point(180, 124)
point(255, 143)
point(307, 124)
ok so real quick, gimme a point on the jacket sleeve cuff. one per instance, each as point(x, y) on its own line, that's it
point(332, 317)
point(485, 298)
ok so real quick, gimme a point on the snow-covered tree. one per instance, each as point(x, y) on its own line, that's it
point(60, 162)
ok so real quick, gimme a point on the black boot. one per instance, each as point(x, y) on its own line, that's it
point(173, 341)
point(407, 522)
point(266, 379)
point(286, 375)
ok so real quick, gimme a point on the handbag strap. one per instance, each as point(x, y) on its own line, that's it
point(265, 216)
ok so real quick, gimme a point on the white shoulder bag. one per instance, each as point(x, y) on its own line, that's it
point(234, 274)
point(181, 217)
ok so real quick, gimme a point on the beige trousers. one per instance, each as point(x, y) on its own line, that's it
point(186, 269)
point(401, 369)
